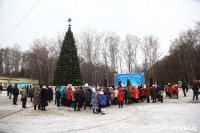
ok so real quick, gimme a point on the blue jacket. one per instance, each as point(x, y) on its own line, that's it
point(94, 98)
point(102, 99)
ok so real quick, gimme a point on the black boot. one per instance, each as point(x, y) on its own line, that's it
point(97, 111)
point(94, 110)
point(34, 107)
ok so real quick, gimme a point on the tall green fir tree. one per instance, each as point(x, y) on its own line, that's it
point(68, 67)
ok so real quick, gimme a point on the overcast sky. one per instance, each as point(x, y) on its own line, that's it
point(20, 23)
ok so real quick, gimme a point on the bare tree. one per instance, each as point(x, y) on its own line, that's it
point(130, 52)
point(150, 47)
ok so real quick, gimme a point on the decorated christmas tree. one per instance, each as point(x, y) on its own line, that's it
point(68, 68)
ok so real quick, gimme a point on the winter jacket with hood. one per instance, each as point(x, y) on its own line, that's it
point(69, 95)
point(170, 89)
point(128, 93)
point(147, 91)
point(153, 93)
point(120, 96)
point(102, 99)
point(136, 93)
point(94, 98)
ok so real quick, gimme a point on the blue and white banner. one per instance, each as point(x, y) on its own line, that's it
point(136, 79)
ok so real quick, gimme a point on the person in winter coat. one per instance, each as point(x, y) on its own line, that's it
point(184, 88)
point(8, 90)
point(120, 98)
point(44, 97)
point(160, 93)
point(58, 95)
point(107, 94)
point(147, 92)
point(82, 96)
point(69, 97)
point(55, 94)
point(87, 98)
point(102, 100)
point(166, 90)
point(176, 91)
point(73, 98)
point(125, 95)
point(195, 91)
point(1, 89)
point(142, 94)
point(24, 97)
point(136, 94)
point(78, 96)
point(50, 93)
point(94, 99)
point(15, 94)
point(170, 91)
point(128, 95)
point(132, 95)
point(64, 96)
point(51, 98)
point(112, 95)
point(31, 93)
point(116, 94)
point(11, 92)
point(154, 93)
point(37, 97)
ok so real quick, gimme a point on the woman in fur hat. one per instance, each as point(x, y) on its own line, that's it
point(37, 97)
point(44, 97)
point(154, 93)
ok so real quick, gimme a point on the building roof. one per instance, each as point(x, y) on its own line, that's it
point(18, 80)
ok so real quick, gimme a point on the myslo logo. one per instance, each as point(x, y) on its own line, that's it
point(184, 128)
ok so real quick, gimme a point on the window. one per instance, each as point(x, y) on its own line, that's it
point(5, 85)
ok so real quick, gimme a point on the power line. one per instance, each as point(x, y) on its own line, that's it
point(29, 11)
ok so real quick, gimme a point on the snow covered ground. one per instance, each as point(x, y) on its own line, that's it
point(174, 115)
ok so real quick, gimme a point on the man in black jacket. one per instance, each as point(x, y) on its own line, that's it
point(15, 94)
point(8, 90)
point(184, 88)
point(1, 89)
point(78, 98)
point(58, 95)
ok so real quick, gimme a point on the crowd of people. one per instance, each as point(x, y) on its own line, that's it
point(98, 98)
